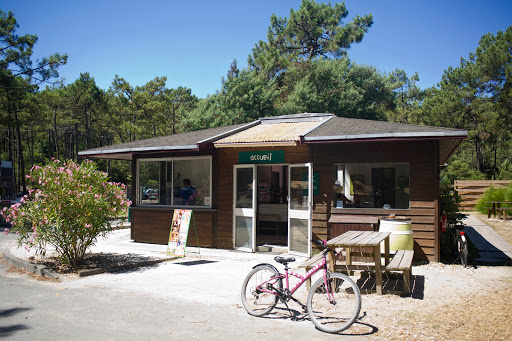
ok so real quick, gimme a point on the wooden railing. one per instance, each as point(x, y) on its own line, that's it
point(472, 190)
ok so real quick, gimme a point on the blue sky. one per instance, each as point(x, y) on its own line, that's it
point(194, 42)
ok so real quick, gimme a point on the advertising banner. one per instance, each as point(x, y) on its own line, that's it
point(179, 233)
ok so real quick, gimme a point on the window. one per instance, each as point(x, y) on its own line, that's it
point(372, 185)
point(177, 182)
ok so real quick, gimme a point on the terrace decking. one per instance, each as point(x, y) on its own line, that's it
point(492, 248)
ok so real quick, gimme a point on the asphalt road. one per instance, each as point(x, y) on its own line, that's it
point(43, 310)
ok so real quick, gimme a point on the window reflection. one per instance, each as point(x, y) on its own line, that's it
point(372, 185)
point(179, 182)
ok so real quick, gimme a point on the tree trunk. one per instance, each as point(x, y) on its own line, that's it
point(55, 134)
point(75, 157)
point(479, 155)
point(173, 121)
point(21, 170)
point(87, 129)
point(10, 134)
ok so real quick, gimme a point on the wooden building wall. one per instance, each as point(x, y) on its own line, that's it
point(215, 226)
point(153, 225)
point(424, 187)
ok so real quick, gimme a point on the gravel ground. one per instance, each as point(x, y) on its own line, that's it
point(448, 302)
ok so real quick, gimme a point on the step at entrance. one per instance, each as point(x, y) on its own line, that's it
point(278, 249)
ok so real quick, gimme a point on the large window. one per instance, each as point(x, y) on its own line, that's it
point(177, 182)
point(372, 185)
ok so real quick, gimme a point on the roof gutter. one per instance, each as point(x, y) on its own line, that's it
point(136, 150)
point(258, 144)
point(454, 134)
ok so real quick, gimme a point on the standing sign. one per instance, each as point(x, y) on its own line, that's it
point(179, 233)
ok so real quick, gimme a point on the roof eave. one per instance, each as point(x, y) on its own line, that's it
point(98, 153)
point(379, 136)
point(257, 144)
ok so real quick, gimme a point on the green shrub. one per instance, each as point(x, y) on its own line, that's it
point(505, 172)
point(449, 201)
point(494, 194)
point(71, 207)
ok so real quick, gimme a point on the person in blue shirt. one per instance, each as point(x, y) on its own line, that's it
point(187, 191)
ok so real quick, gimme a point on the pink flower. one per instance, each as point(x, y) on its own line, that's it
point(6, 232)
point(88, 225)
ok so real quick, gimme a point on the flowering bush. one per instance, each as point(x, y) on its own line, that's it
point(71, 207)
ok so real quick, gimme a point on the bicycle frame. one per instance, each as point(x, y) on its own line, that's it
point(302, 279)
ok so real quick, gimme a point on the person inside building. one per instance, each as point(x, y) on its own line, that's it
point(187, 192)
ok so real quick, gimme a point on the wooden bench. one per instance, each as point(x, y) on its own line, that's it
point(490, 212)
point(504, 210)
point(312, 262)
point(402, 262)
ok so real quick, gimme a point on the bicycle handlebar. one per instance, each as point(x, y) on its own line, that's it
point(322, 246)
point(319, 243)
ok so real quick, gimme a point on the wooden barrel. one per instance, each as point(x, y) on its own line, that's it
point(401, 237)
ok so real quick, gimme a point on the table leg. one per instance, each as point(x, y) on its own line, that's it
point(386, 251)
point(378, 269)
point(331, 261)
point(348, 258)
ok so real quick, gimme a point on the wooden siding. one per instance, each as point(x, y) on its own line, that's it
point(215, 227)
point(424, 191)
point(153, 225)
point(472, 190)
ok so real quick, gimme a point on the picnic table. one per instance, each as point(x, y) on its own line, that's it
point(497, 210)
point(365, 239)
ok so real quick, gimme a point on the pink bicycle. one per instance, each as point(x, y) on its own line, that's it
point(333, 303)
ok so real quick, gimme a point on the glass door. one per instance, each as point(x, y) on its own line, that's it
point(300, 205)
point(244, 207)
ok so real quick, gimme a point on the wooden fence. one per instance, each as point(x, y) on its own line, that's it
point(472, 190)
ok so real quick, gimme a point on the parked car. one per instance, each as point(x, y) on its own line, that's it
point(152, 194)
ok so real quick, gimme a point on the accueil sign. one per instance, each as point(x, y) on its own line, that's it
point(272, 156)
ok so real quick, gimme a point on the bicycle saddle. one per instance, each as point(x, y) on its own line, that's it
point(284, 260)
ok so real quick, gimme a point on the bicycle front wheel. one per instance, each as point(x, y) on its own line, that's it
point(334, 308)
point(258, 291)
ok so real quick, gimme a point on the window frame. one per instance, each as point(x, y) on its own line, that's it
point(172, 159)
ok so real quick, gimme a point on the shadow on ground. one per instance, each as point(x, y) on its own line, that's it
point(392, 283)
point(96, 263)
point(6, 331)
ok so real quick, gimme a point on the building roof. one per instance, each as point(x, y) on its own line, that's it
point(189, 141)
point(278, 131)
point(286, 130)
point(342, 128)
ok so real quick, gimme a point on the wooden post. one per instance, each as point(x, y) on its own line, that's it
point(331, 261)
point(378, 269)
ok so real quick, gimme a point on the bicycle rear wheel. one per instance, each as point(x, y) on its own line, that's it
point(462, 247)
point(255, 298)
point(340, 313)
